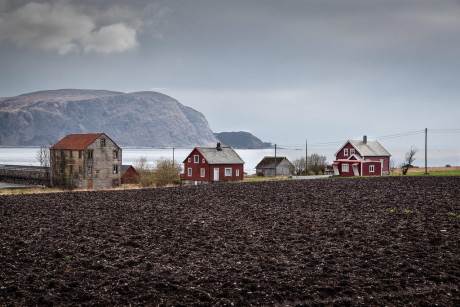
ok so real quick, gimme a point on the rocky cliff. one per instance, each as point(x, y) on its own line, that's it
point(242, 139)
point(132, 119)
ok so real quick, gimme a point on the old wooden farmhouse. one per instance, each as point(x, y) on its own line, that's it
point(212, 164)
point(362, 158)
point(271, 166)
point(90, 161)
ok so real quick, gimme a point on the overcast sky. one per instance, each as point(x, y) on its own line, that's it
point(284, 70)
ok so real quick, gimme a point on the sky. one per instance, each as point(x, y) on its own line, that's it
point(289, 70)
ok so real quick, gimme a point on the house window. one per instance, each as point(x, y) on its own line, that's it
point(345, 168)
point(102, 142)
point(189, 160)
point(89, 171)
point(202, 172)
point(196, 159)
point(228, 171)
point(237, 172)
point(70, 154)
point(89, 154)
point(115, 154)
point(80, 170)
point(80, 154)
point(189, 172)
point(115, 168)
point(202, 161)
point(352, 151)
point(371, 168)
point(345, 152)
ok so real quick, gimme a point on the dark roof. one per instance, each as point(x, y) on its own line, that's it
point(271, 162)
point(125, 167)
point(76, 141)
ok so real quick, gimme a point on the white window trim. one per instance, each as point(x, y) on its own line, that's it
point(189, 172)
point(189, 160)
point(352, 151)
point(345, 152)
point(202, 172)
point(371, 168)
point(228, 169)
point(196, 159)
point(347, 166)
point(237, 173)
point(202, 161)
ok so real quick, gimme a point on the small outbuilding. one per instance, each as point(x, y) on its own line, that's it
point(129, 174)
point(212, 164)
point(271, 166)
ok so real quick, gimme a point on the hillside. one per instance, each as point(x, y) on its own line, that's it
point(131, 119)
point(242, 139)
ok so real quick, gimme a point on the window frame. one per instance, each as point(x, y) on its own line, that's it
point(345, 152)
point(103, 142)
point(196, 159)
point(237, 172)
point(115, 169)
point(347, 166)
point(189, 172)
point(371, 168)
point(202, 172)
point(352, 151)
point(225, 172)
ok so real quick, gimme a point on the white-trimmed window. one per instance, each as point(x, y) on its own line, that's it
point(352, 151)
point(196, 159)
point(371, 168)
point(202, 172)
point(228, 172)
point(189, 160)
point(345, 152)
point(237, 172)
point(203, 161)
point(189, 171)
point(345, 168)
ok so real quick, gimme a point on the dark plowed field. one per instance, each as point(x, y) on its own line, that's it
point(391, 241)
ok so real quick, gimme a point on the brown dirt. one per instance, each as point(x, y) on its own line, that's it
point(375, 241)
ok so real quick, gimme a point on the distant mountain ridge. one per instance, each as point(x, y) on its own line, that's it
point(242, 140)
point(147, 119)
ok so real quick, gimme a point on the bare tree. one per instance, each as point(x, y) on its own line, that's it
point(166, 172)
point(408, 160)
point(299, 166)
point(43, 156)
point(316, 164)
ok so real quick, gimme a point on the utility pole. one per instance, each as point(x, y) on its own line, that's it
point(426, 151)
point(275, 160)
point(173, 156)
point(306, 157)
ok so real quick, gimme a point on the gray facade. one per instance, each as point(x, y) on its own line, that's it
point(96, 166)
point(269, 166)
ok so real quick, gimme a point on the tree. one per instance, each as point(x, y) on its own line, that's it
point(43, 156)
point(146, 177)
point(299, 166)
point(408, 160)
point(316, 164)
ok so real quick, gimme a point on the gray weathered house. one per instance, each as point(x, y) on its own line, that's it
point(268, 165)
point(89, 161)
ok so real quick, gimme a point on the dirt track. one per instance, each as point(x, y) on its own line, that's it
point(381, 241)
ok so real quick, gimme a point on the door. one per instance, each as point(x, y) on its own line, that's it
point(216, 174)
point(355, 170)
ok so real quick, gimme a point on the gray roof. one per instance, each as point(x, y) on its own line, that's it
point(270, 162)
point(225, 156)
point(371, 148)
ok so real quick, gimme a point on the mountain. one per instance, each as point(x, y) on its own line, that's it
point(131, 119)
point(242, 139)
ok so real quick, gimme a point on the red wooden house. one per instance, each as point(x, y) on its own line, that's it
point(362, 158)
point(212, 164)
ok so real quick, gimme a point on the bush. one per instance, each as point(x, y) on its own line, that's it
point(166, 172)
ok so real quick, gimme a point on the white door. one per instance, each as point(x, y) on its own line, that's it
point(355, 170)
point(216, 174)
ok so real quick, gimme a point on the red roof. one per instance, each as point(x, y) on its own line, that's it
point(76, 141)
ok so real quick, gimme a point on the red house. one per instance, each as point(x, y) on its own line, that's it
point(362, 158)
point(212, 164)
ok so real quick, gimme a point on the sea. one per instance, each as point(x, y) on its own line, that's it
point(251, 157)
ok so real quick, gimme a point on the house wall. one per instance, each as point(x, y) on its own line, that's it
point(71, 169)
point(350, 169)
point(386, 163)
point(283, 169)
point(377, 168)
point(341, 155)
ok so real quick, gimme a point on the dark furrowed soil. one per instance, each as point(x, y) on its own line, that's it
point(392, 241)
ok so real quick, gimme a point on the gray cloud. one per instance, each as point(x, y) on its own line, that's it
point(65, 28)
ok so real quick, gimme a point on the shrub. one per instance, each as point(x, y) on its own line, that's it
point(166, 172)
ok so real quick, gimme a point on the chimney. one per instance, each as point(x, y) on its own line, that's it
point(218, 147)
point(365, 139)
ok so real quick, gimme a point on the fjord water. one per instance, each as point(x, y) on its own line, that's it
point(27, 155)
